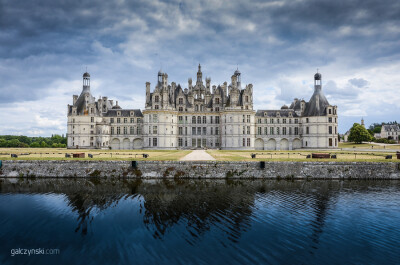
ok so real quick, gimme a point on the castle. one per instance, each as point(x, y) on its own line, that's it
point(201, 116)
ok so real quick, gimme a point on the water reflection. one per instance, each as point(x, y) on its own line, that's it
point(257, 221)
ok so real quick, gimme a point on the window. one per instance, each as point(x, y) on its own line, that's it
point(204, 142)
point(196, 108)
point(243, 119)
point(290, 121)
point(180, 108)
point(139, 120)
point(154, 129)
point(217, 119)
point(91, 119)
point(277, 130)
point(330, 129)
point(125, 130)
point(244, 142)
point(290, 130)
point(258, 120)
point(118, 120)
point(156, 99)
point(296, 120)
point(271, 130)
point(154, 141)
point(198, 130)
point(248, 118)
point(211, 119)
point(248, 129)
point(248, 141)
point(247, 98)
point(259, 130)
point(125, 120)
point(284, 120)
point(204, 119)
point(265, 130)
point(217, 109)
point(284, 130)
point(112, 130)
point(306, 120)
point(138, 130)
point(216, 130)
point(180, 100)
point(199, 120)
point(330, 119)
point(193, 142)
point(118, 130)
point(132, 120)
point(296, 131)
point(193, 130)
point(212, 130)
point(180, 131)
point(336, 130)
point(307, 130)
point(194, 120)
point(185, 130)
point(217, 101)
point(155, 118)
point(277, 120)
point(330, 111)
point(204, 130)
point(149, 141)
point(271, 121)
point(156, 107)
point(132, 130)
point(180, 142)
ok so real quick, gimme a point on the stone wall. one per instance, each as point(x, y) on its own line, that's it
point(195, 169)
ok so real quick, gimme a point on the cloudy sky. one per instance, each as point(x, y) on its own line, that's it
point(46, 45)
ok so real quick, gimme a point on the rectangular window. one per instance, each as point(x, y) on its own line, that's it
point(139, 120)
point(244, 129)
point(125, 120)
point(155, 118)
point(132, 130)
point(199, 120)
point(244, 142)
point(296, 120)
point(125, 130)
point(198, 130)
point(204, 130)
point(307, 130)
point(118, 120)
point(271, 121)
point(194, 119)
point(155, 130)
point(248, 118)
point(265, 130)
point(118, 130)
point(204, 142)
point(284, 130)
point(248, 141)
point(271, 130)
point(243, 119)
point(193, 142)
point(211, 119)
point(259, 130)
point(277, 130)
point(296, 131)
point(154, 141)
point(180, 142)
point(216, 130)
point(330, 129)
point(193, 130)
point(248, 129)
point(112, 130)
point(217, 119)
point(91, 119)
point(112, 120)
point(132, 120)
point(284, 120)
point(204, 119)
point(290, 130)
point(330, 119)
point(212, 130)
point(139, 130)
point(180, 131)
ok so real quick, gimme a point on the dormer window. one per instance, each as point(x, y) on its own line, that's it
point(278, 114)
point(330, 111)
point(132, 114)
point(156, 99)
point(290, 114)
point(247, 98)
point(118, 113)
point(180, 100)
point(217, 101)
point(265, 114)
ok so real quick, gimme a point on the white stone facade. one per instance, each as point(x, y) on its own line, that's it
point(201, 116)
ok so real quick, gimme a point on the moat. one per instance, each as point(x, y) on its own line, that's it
point(167, 221)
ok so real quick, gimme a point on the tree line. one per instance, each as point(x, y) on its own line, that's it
point(55, 141)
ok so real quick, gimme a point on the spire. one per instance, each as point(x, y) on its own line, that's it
point(86, 83)
point(199, 75)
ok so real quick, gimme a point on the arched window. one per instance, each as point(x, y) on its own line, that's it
point(197, 108)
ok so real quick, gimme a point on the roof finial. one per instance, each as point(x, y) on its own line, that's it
point(317, 70)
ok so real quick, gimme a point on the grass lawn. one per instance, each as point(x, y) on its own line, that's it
point(368, 146)
point(342, 156)
point(59, 154)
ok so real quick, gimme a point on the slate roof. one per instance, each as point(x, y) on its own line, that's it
point(272, 113)
point(124, 113)
point(317, 104)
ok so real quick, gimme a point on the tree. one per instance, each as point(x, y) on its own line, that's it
point(359, 134)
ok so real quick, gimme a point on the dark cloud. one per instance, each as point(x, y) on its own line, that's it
point(124, 44)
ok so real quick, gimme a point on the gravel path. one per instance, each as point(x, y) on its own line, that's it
point(197, 155)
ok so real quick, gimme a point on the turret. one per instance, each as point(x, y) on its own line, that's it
point(199, 76)
point(86, 83)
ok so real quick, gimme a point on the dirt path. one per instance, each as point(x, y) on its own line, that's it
point(197, 155)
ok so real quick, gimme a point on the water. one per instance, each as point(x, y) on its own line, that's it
point(200, 222)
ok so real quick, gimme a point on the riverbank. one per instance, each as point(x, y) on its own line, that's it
point(200, 169)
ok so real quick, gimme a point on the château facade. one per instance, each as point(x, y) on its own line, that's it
point(201, 116)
